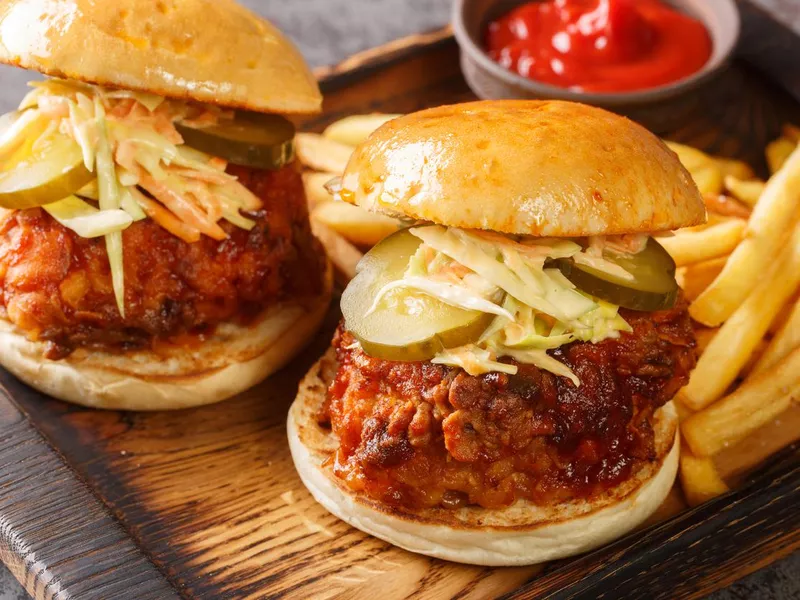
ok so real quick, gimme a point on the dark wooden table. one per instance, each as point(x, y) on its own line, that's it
point(329, 30)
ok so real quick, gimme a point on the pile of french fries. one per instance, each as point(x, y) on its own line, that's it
point(740, 272)
point(345, 230)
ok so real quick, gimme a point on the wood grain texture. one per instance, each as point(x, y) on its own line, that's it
point(705, 548)
point(55, 536)
point(209, 496)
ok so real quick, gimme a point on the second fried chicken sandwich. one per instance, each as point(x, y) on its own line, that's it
point(155, 248)
point(499, 389)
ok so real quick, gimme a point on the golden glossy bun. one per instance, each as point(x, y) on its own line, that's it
point(542, 168)
point(521, 534)
point(232, 361)
point(212, 51)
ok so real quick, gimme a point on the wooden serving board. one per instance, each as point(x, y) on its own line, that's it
point(205, 503)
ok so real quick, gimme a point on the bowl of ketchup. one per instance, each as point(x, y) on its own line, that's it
point(625, 55)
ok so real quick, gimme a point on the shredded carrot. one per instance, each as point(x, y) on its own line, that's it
point(206, 116)
point(125, 156)
point(205, 199)
point(182, 207)
point(122, 109)
point(205, 119)
point(218, 163)
point(128, 111)
point(171, 110)
point(166, 219)
point(165, 127)
point(204, 176)
point(187, 202)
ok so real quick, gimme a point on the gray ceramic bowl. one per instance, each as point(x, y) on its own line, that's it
point(661, 108)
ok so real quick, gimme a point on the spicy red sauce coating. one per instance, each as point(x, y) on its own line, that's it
point(418, 435)
point(599, 45)
point(56, 286)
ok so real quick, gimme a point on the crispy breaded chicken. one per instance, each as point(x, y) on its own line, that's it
point(422, 435)
point(56, 286)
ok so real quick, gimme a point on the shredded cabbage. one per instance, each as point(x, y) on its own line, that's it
point(601, 264)
point(487, 261)
point(543, 360)
point(448, 293)
point(130, 141)
point(473, 359)
point(536, 308)
point(149, 101)
point(232, 216)
point(130, 206)
point(110, 200)
point(81, 122)
point(86, 220)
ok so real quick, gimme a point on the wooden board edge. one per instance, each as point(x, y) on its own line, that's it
point(744, 530)
point(56, 537)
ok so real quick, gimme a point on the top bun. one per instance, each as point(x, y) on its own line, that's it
point(542, 168)
point(211, 51)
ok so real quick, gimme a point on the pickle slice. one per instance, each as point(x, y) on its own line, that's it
point(43, 173)
point(250, 140)
point(653, 286)
point(403, 328)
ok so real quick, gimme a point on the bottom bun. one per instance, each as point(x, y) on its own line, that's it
point(231, 361)
point(521, 534)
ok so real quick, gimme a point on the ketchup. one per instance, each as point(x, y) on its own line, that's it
point(599, 45)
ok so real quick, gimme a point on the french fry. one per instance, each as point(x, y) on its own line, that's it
point(698, 276)
point(746, 191)
point(726, 206)
point(758, 352)
point(753, 450)
point(705, 171)
point(683, 411)
point(775, 213)
point(699, 478)
point(322, 154)
point(688, 247)
point(709, 178)
point(735, 168)
point(354, 223)
point(786, 340)
point(357, 128)
point(736, 340)
point(781, 318)
point(690, 157)
point(712, 218)
point(704, 336)
point(755, 403)
point(778, 152)
point(344, 256)
point(314, 184)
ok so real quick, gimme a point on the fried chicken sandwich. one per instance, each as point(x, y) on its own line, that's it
point(499, 389)
point(155, 248)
